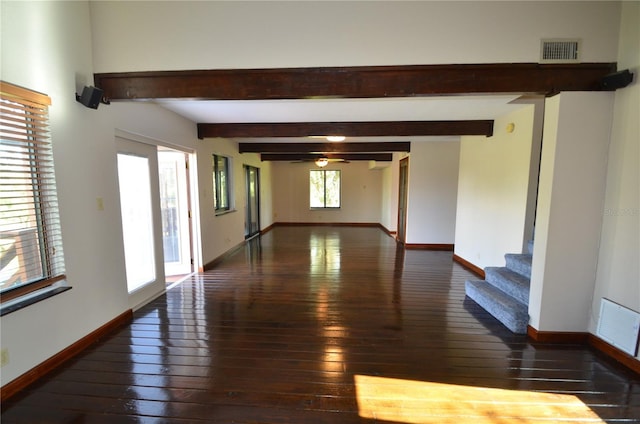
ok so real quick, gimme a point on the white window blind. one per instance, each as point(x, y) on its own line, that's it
point(30, 238)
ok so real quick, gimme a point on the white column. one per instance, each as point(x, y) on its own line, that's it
point(569, 214)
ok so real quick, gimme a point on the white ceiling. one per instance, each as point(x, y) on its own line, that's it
point(439, 108)
point(344, 110)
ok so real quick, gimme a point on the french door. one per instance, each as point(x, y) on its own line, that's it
point(141, 219)
point(175, 211)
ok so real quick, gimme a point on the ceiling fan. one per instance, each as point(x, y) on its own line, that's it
point(322, 160)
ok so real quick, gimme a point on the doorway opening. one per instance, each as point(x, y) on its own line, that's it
point(402, 200)
point(175, 201)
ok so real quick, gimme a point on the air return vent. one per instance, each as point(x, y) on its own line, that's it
point(619, 326)
point(560, 51)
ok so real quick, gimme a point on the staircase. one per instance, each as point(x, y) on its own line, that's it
point(504, 292)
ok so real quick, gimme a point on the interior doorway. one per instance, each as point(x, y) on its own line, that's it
point(402, 200)
point(252, 218)
point(175, 199)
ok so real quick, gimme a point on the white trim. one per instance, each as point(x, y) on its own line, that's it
point(127, 135)
point(193, 178)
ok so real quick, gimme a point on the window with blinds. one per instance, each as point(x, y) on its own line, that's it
point(30, 238)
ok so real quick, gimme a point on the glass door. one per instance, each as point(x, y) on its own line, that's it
point(174, 208)
point(252, 219)
point(140, 212)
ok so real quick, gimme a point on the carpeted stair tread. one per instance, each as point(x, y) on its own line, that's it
point(506, 309)
point(512, 283)
point(520, 263)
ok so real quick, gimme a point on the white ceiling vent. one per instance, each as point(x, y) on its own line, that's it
point(560, 50)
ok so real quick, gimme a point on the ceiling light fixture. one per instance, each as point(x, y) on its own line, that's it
point(322, 162)
point(335, 138)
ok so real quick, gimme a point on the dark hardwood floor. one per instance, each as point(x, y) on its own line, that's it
point(327, 325)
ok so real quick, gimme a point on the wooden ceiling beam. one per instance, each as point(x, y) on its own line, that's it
point(369, 147)
point(383, 157)
point(348, 129)
point(354, 82)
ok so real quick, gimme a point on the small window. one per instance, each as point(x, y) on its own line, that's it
point(221, 184)
point(30, 237)
point(324, 189)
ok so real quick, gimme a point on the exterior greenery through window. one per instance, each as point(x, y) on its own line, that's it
point(324, 189)
point(30, 237)
point(221, 183)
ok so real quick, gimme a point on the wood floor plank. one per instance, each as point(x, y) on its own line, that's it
point(327, 325)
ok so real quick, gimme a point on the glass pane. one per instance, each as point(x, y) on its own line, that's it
point(174, 205)
point(216, 189)
point(224, 192)
point(169, 207)
point(253, 201)
point(316, 189)
point(221, 182)
point(332, 189)
point(253, 196)
point(20, 248)
point(137, 222)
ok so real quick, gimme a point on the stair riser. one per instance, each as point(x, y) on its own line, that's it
point(518, 264)
point(517, 289)
point(512, 315)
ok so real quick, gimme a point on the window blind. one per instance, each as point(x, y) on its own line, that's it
point(31, 254)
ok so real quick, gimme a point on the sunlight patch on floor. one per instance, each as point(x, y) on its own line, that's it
point(413, 402)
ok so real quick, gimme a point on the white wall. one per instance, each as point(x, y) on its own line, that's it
point(160, 126)
point(223, 232)
point(569, 213)
point(433, 191)
point(618, 276)
point(493, 191)
point(239, 34)
point(361, 194)
point(47, 47)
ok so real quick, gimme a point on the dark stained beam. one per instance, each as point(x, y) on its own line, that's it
point(354, 82)
point(374, 147)
point(348, 129)
point(383, 157)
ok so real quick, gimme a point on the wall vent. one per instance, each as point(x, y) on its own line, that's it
point(619, 326)
point(560, 51)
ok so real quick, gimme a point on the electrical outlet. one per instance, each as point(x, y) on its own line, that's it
point(4, 357)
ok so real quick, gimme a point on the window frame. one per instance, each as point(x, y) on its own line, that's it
point(221, 185)
point(324, 183)
point(26, 134)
